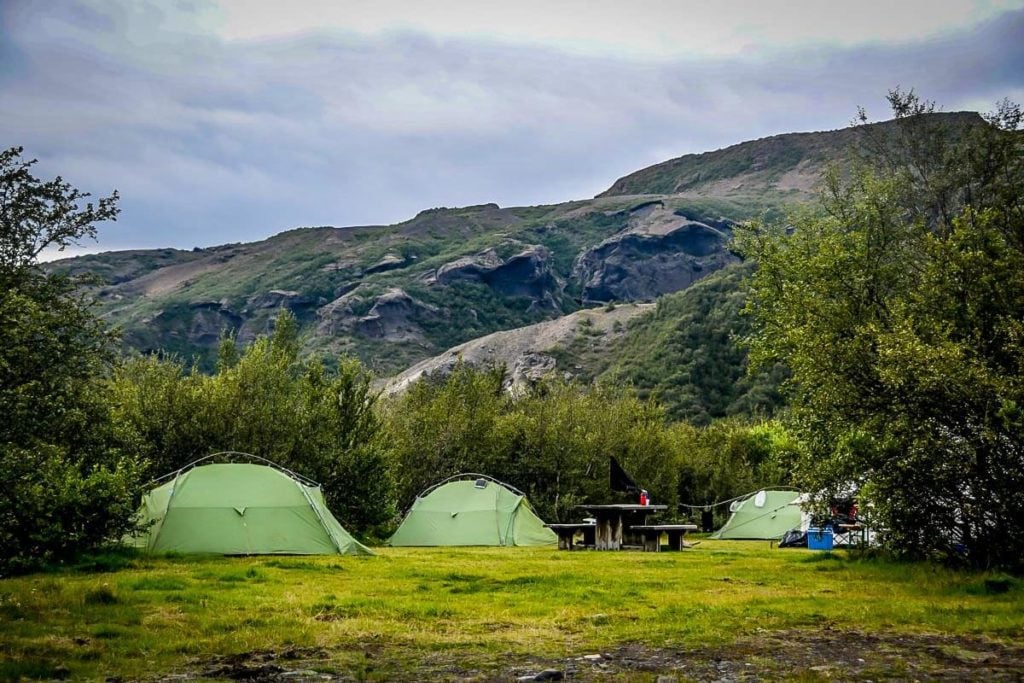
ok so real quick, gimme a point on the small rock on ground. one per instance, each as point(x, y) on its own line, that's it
point(545, 675)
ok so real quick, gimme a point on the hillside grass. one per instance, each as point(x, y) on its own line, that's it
point(687, 353)
point(153, 295)
point(476, 609)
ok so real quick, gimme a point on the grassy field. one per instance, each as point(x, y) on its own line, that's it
point(722, 610)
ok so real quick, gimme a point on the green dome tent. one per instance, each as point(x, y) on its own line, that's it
point(241, 509)
point(471, 509)
point(764, 515)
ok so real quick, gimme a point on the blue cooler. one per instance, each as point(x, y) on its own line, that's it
point(819, 539)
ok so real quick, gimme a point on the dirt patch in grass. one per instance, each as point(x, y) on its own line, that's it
point(825, 654)
point(289, 664)
point(820, 655)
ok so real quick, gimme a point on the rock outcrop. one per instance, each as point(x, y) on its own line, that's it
point(393, 316)
point(472, 268)
point(659, 252)
point(279, 298)
point(528, 353)
point(201, 323)
point(524, 274)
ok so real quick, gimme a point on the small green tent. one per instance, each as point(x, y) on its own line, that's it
point(471, 509)
point(764, 515)
point(241, 509)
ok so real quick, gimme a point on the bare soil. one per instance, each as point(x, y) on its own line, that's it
point(824, 654)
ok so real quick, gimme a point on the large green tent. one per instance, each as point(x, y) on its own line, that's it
point(471, 509)
point(238, 508)
point(764, 515)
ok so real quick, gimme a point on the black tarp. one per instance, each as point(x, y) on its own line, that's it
point(620, 481)
point(794, 538)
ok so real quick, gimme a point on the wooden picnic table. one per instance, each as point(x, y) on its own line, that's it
point(614, 522)
point(652, 535)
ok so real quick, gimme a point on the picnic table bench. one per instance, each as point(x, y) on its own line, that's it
point(616, 521)
point(567, 534)
point(652, 535)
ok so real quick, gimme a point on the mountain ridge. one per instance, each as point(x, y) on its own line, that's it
point(788, 163)
point(397, 295)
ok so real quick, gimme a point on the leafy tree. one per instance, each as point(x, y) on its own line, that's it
point(561, 436)
point(65, 490)
point(444, 426)
point(898, 307)
point(729, 458)
point(554, 442)
point(687, 353)
point(266, 402)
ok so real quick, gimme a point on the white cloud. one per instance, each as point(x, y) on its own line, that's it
point(647, 28)
point(212, 140)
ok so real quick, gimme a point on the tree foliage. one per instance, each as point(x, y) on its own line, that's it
point(898, 307)
point(731, 457)
point(444, 426)
point(553, 443)
point(264, 401)
point(65, 489)
point(687, 353)
point(558, 441)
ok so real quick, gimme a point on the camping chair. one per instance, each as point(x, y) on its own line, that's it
point(848, 531)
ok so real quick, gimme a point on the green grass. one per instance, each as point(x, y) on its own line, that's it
point(473, 607)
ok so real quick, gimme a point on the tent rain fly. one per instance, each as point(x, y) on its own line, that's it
point(471, 509)
point(238, 508)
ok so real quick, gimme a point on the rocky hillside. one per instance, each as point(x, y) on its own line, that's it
point(682, 350)
point(531, 352)
point(396, 295)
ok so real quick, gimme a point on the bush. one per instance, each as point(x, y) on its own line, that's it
point(320, 423)
point(52, 510)
point(553, 442)
point(65, 489)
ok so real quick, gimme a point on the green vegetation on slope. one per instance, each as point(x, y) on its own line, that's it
point(779, 168)
point(180, 301)
point(688, 354)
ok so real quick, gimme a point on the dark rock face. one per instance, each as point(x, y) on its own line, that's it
point(201, 323)
point(526, 274)
point(636, 266)
point(208, 326)
point(279, 298)
point(393, 316)
point(338, 317)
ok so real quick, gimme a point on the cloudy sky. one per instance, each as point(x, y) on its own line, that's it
point(231, 120)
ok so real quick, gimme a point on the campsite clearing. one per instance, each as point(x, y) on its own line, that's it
point(725, 610)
